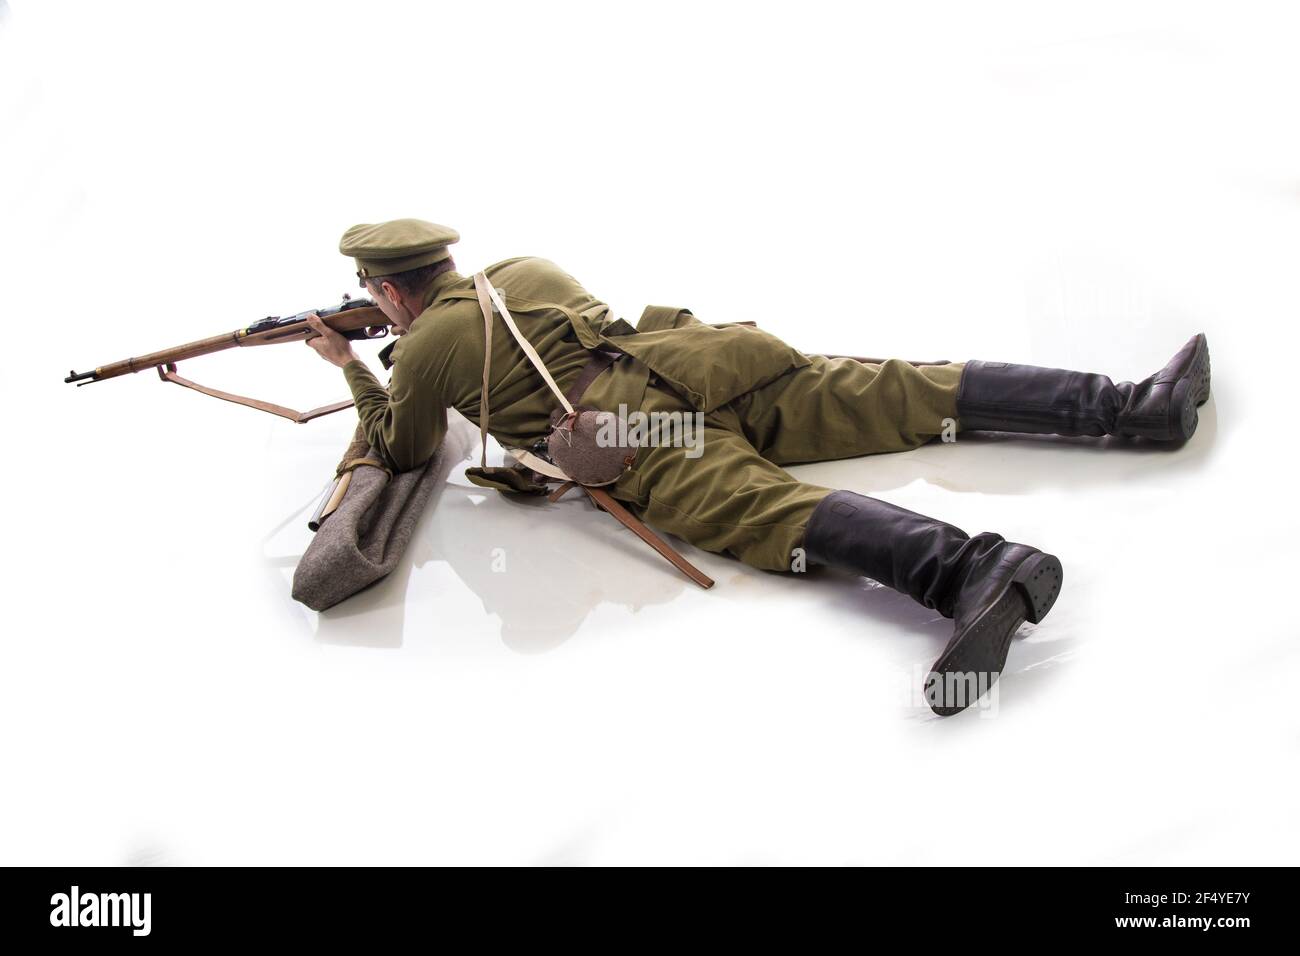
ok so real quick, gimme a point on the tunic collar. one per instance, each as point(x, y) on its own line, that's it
point(438, 286)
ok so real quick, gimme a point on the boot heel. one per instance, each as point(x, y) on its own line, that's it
point(1038, 580)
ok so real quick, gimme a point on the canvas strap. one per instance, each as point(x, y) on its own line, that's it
point(488, 297)
point(485, 305)
point(489, 300)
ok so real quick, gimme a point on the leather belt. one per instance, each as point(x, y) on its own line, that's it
point(600, 360)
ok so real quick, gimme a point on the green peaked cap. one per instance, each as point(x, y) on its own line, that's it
point(385, 248)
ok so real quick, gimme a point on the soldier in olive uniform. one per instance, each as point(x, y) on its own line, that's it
point(764, 405)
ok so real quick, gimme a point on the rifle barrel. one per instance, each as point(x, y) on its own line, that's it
point(206, 346)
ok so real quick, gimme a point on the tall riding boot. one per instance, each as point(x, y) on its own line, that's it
point(987, 585)
point(996, 396)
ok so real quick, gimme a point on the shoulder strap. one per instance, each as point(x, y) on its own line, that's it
point(488, 297)
point(484, 287)
point(483, 410)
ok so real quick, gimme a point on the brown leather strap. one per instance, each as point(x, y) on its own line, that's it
point(599, 361)
point(561, 491)
point(168, 374)
point(603, 498)
point(357, 462)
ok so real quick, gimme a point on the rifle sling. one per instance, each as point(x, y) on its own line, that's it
point(168, 374)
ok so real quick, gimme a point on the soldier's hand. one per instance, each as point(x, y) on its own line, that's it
point(330, 345)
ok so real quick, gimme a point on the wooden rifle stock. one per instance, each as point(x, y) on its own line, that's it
point(353, 318)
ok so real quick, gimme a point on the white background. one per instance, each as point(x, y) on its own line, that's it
point(1077, 185)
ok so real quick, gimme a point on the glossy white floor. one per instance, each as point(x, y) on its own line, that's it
point(1082, 189)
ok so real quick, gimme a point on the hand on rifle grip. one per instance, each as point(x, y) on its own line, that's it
point(329, 345)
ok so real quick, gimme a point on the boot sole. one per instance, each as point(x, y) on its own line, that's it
point(1192, 391)
point(978, 655)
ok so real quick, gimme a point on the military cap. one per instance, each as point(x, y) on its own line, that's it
point(384, 248)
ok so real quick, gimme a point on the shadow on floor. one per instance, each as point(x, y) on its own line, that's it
point(543, 568)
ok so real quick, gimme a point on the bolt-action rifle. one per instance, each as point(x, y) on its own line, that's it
point(353, 318)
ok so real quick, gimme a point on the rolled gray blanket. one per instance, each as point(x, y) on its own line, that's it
point(363, 538)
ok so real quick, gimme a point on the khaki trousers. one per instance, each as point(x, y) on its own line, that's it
point(729, 493)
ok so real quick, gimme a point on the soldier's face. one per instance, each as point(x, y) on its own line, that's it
point(384, 295)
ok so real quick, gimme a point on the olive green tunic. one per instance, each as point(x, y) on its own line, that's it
point(763, 403)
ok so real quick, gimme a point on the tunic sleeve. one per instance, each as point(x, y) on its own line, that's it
point(406, 422)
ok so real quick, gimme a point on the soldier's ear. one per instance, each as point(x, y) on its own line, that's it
point(391, 294)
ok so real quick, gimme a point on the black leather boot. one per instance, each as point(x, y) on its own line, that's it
point(987, 585)
point(997, 396)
